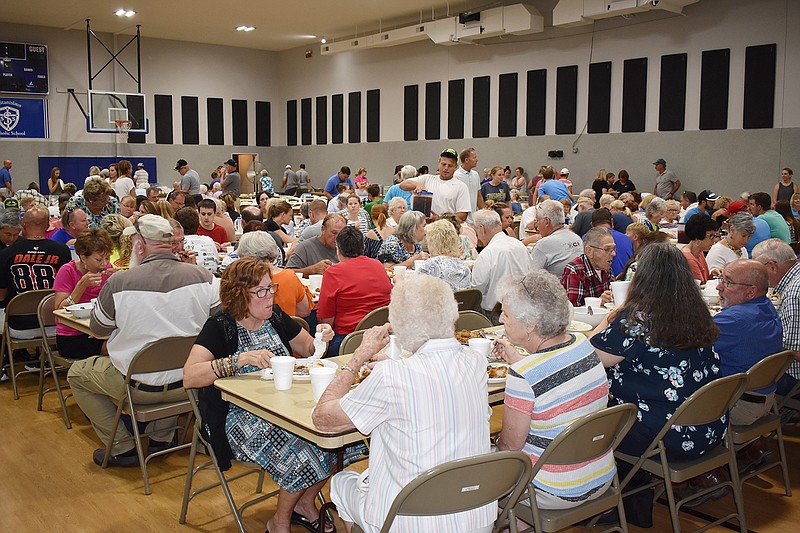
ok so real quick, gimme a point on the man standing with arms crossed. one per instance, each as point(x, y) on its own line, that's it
point(467, 175)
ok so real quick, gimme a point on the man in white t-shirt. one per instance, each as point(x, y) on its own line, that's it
point(467, 175)
point(141, 177)
point(449, 195)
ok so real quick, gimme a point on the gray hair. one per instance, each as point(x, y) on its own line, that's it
point(258, 244)
point(743, 223)
point(657, 205)
point(551, 210)
point(596, 236)
point(437, 322)
point(588, 193)
point(407, 226)
point(774, 250)
point(396, 202)
point(537, 300)
point(408, 171)
point(488, 218)
point(606, 200)
point(10, 219)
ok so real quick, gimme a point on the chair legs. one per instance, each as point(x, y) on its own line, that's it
point(52, 369)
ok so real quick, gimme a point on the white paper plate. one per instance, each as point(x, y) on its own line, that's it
point(496, 381)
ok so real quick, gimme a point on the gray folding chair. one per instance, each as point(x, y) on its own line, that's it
point(351, 342)
point(158, 356)
point(706, 405)
point(468, 299)
point(24, 304)
point(198, 443)
point(302, 323)
point(462, 485)
point(376, 317)
point(472, 320)
point(763, 374)
point(585, 439)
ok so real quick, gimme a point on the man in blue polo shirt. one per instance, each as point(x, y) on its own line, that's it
point(555, 189)
point(343, 176)
point(5, 179)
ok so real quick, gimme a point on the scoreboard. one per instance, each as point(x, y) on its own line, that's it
point(23, 68)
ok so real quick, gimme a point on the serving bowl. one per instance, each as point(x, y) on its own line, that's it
point(594, 319)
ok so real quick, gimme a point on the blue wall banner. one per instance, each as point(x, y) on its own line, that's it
point(23, 117)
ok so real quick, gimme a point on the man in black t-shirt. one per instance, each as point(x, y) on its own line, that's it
point(30, 264)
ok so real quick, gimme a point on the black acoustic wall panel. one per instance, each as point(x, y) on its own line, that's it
point(759, 86)
point(566, 99)
point(240, 129)
point(322, 120)
point(411, 112)
point(163, 118)
point(714, 85)
point(216, 131)
point(536, 100)
point(672, 98)
point(354, 117)
point(136, 138)
point(305, 121)
point(433, 109)
point(507, 105)
point(634, 94)
point(291, 123)
point(263, 124)
point(373, 115)
point(599, 97)
point(337, 119)
point(481, 87)
point(455, 109)
point(190, 123)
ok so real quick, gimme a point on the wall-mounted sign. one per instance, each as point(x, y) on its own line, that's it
point(23, 117)
point(23, 68)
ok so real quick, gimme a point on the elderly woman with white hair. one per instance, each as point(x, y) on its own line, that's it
point(421, 411)
point(403, 248)
point(397, 207)
point(654, 212)
point(731, 248)
point(541, 399)
point(445, 263)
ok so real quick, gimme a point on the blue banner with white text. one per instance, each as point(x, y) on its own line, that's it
point(23, 118)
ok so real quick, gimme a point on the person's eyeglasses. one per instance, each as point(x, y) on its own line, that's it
point(713, 236)
point(608, 249)
point(728, 283)
point(261, 292)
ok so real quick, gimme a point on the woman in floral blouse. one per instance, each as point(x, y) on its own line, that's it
point(445, 262)
point(403, 247)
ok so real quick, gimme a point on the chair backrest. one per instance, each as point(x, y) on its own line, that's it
point(45, 312)
point(472, 320)
point(26, 303)
point(769, 370)
point(161, 355)
point(302, 323)
point(468, 299)
point(589, 437)
point(462, 485)
point(376, 317)
point(708, 403)
point(351, 342)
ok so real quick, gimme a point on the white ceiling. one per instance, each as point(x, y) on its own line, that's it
point(280, 25)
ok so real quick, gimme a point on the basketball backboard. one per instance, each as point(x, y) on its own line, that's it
point(105, 107)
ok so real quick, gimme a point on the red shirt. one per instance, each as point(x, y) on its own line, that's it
point(217, 234)
point(350, 290)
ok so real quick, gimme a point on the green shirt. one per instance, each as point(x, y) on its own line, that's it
point(368, 208)
point(778, 228)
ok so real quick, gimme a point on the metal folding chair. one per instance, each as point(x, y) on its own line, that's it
point(351, 342)
point(472, 320)
point(468, 299)
point(376, 317)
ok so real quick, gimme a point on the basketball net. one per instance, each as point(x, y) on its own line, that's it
point(123, 126)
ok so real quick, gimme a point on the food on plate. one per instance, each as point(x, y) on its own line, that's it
point(363, 372)
point(497, 371)
point(463, 336)
point(303, 369)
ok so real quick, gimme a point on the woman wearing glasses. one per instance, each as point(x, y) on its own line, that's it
point(701, 231)
point(243, 338)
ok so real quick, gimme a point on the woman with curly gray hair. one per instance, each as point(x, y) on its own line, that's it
point(403, 248)
point(445, 262)
point(541, 398)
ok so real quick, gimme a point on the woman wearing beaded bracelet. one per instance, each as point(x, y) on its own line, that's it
point(243, 338)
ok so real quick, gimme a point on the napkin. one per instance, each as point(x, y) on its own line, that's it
point(319, 346)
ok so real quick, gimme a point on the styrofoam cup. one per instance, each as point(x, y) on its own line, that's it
point(399, 270)
point(321, 377)
point(481, 345)
point(282, 370)
point(299, 275)
point(619, 289)
point(316, 281)
point(593, 301)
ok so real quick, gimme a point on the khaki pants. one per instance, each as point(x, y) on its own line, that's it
point(98, 388)
point(745, 413)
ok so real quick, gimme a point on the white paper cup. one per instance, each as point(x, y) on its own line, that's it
point(593, 301)
point(229, 249)
point(393, 349)
point(282, 369)
point(399, 270)
point(619, 289)
point(482, 346)
point(321, 377)
point(316, 281)
point(299, 275)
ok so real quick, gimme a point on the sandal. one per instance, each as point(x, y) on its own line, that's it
point(313, 526)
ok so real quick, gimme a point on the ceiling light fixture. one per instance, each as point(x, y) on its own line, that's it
point(245, 28)
point(323, 40)
point(124, 12)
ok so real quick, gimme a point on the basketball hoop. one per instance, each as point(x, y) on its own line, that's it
point(123, 126)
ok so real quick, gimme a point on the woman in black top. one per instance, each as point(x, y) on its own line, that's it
point(278, 214)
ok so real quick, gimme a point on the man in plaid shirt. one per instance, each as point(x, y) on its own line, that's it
point(590, 273)
point(784, 275)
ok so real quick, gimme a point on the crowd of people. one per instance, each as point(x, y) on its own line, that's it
point(531, 246)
